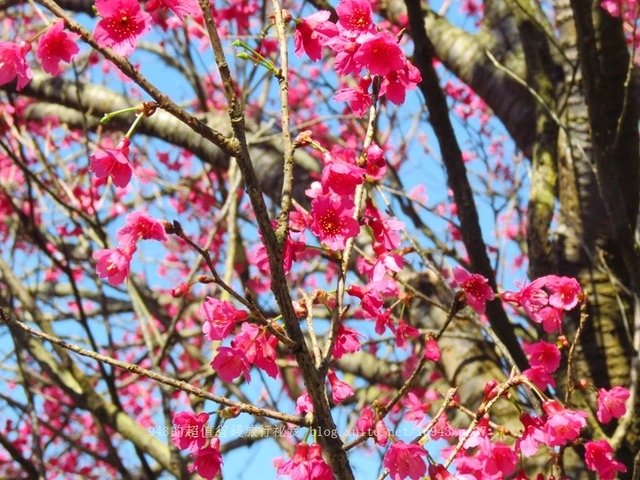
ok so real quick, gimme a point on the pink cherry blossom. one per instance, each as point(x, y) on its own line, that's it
point(397, 83)
point(113, 264)
point(405, 460)
point(333, 221)
point(370, 298)
point(599, 457)
point(532, 436)
point(355, 17)
point(376, 164)
point(13, 63)
point(611, 403)
point(312, 34)
point(304, 404)
point(307, 464)
point(259, 347)
point(340, 174)
point(565, 291)
point(189, 430)
point(291, 252)
point(345, 60)
point(368, 424)
point(543, 354)
point(540, 377)
point(122, 23)
point(563, 425)
point(230, 363)
point(220, 318)
point(380, 54)
point(500, 459)
point(181, 8)
point(113, 162)
point(208, 460)
point(416, 409)
point(358, 97)
point(431, 350)
point(384, 229)
point(140, 226)
point(346, 341)
point(55, 46)
point(476, 288)
point(339, 389)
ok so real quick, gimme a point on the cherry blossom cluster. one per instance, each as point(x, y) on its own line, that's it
point(252, 346)
point(358, 44)
point(544, 301)
point(114, 263)
point(191, 431)
point(55, 45)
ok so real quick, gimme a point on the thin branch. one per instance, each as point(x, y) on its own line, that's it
point(143, 372)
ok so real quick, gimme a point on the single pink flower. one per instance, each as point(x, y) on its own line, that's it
point(346, 341)
point(13, 63)
point(500, 459)
point(540, 377)
point(565, 291)
point(333, 221)
point(346, 50)
point(431, 350)
point(189, 430)
point(532, 436)
point(220, 318)
point(312, 34)
point(304, 404)
point(318, 468)
point(563, 425)
point(230, 363)
point(380, 54)
point(113, 162)
point(532, 298)
point(358, 97)
point(355, 17)
point(543, 354)
point(417, 409)
point(365, 422)
point(397, 83)
point(598, 456)
point(476, 289)
point(181, 8)
point(380, 433)
point(113, 264)
point(55, 46)
point(550, 318)
point(140, 226)
point(376, 164)
point(370, 299)
point(208, 460)
point(385, 262)
point(404, 333)
point(611, 403)
point(384, 229)
point(341, 176)
point(339, 389)
point(122, 23)
point(405, 460)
